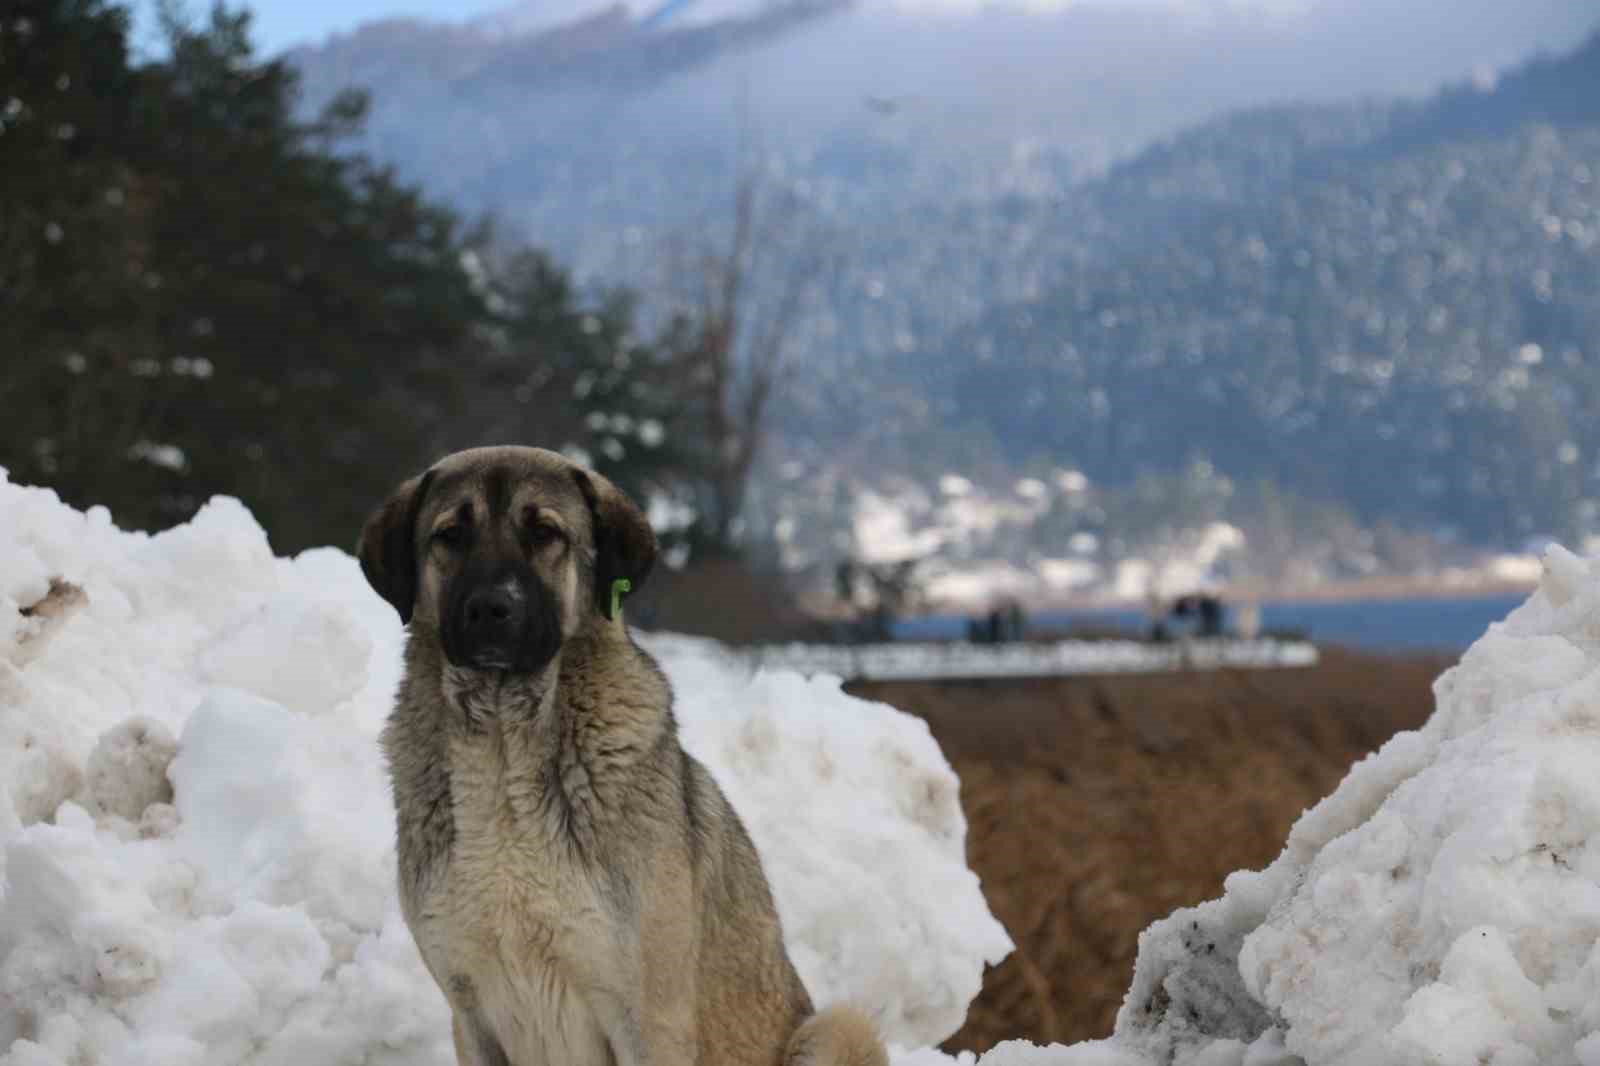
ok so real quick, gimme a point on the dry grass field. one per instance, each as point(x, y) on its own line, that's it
point(1097, 805)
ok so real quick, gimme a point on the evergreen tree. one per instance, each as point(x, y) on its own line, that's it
point(568, 372)
point(202, 294)
point(69, 251)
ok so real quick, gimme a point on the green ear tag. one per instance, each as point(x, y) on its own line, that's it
point(618, 587)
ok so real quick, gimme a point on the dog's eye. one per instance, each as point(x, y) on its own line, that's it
point(541, 534)
point(451, 536)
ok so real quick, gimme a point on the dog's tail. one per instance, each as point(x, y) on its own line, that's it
point(837, 1036)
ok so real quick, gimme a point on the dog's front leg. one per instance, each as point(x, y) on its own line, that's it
point(658, 1028)
point(654, 1022)
point(669, 953)
point(476, 1044)
point(656, 1035)
point(669, 1029)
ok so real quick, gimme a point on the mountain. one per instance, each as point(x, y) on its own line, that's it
point(1081, 267)
point(1392, 307)
point(602, 131)
point(520, 51)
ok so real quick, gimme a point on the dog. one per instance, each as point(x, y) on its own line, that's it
point(576, 883)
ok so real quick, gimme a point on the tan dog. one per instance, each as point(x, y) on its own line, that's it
point(577, 884)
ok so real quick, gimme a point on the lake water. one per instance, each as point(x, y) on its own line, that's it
point(1396, 625)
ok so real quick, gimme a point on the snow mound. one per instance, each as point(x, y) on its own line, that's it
point(1442, 906)
point(196, 841)
point(869, 868)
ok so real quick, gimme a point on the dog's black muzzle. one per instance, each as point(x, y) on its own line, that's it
point(506, 621)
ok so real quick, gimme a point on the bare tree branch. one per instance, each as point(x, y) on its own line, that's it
point(748, 294)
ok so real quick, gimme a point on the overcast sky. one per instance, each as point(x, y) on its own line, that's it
point(279, 24)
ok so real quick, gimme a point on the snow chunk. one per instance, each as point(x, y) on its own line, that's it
point(305, 656)
point(127, 770)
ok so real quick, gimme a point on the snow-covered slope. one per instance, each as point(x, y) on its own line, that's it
point(196, 867)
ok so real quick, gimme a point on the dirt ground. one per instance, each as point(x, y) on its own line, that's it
point(1096, 805)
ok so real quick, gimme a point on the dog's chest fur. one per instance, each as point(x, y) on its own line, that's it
point(516, 910)
point(510, 807)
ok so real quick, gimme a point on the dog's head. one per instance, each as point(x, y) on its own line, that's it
point(501, 554)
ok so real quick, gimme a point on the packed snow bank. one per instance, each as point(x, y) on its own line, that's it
point(1442, 906)
point(196, 842)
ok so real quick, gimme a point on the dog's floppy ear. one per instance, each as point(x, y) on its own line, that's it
point(388, 550)
point(624, 543)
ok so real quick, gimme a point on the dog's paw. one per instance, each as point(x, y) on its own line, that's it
point(837, 1036)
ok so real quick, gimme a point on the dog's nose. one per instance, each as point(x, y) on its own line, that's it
point(493, 619)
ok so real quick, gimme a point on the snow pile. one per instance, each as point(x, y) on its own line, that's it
point(196, 841)
point(1442, 906)
point(868, 868)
